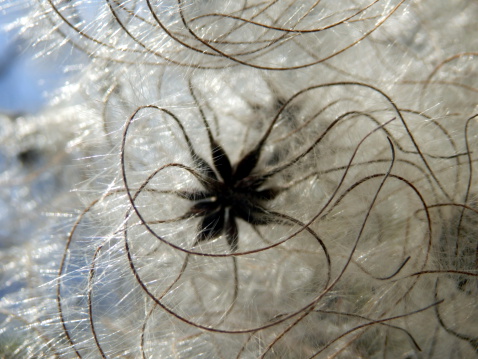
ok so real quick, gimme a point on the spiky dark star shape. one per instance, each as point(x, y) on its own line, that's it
point(230, 192)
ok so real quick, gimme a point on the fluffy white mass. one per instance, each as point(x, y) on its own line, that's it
point(222, 179)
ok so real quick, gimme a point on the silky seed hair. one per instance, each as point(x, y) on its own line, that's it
point(216, 34)
point(348, 128)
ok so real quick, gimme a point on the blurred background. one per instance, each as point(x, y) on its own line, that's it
point(26, 78)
